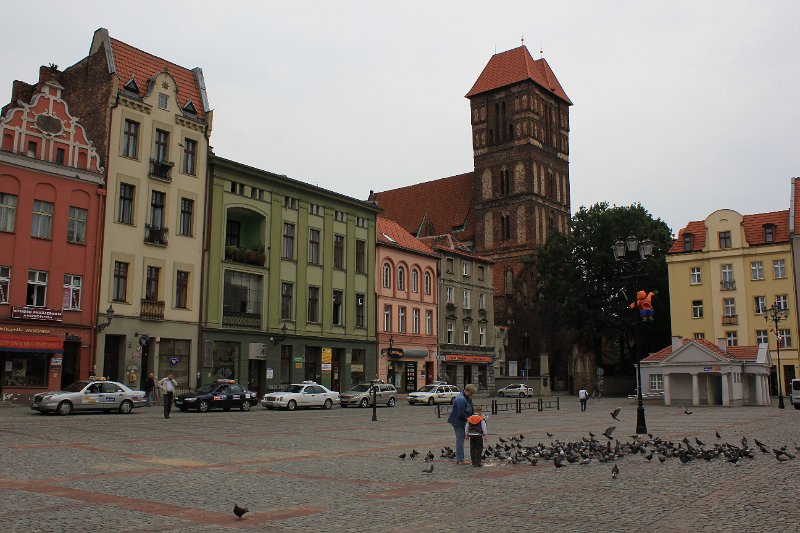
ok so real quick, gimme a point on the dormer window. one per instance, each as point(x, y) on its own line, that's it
point(190, 108)
point(688, 242)
point(769, 232)
point(131, 86)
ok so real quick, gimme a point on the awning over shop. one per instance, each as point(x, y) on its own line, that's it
point(463, 358)
point(407, 352)
point(31, 343)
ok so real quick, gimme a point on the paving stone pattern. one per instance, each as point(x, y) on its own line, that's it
point(338, 471)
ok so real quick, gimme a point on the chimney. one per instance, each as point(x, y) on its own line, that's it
point(677, 342)
point(722, 344)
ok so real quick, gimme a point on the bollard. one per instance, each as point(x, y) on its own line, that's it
point(494, 407)
point(519, 405)
point(558, 403)
point(541, 405)
point(438, 411)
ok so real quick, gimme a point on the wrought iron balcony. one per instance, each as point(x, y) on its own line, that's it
point(730, 320)
point(155, 235)
point(161, 170)
point(727, 285)
point(152, 310)
point(241, 320)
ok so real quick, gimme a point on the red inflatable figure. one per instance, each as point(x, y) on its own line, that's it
point(644, 303)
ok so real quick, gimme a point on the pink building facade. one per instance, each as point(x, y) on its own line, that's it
point(51, 199)
point(406, 288)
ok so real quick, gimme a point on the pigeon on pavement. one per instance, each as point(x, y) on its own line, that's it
point(239, 511)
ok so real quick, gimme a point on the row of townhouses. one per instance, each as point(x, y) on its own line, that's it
point(129, 247)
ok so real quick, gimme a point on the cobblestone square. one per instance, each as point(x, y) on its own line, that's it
point(337, 470)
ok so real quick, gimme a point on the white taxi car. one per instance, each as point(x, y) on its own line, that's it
point(305, 394)
point(93, 394)
point(431, 394)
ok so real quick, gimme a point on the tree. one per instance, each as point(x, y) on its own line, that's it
point(581, 286)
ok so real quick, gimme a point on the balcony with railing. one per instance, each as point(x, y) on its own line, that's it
point(155, 235)
point(152, 310)
point(161, 170)
point(233, 319)
point(727, 285)
point(246, 256)
point(730, 320)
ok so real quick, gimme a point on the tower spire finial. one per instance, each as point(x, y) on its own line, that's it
point(541, 51)
point(522, 40)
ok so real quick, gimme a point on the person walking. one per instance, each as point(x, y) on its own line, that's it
point(167, 386)
point(583, 395)
point(149, 387)
point(476, 433)
point(461, 410)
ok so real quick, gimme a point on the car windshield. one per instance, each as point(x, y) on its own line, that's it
point(361, 388)
point(427, 388)
point(205, 389)
point(77, 386)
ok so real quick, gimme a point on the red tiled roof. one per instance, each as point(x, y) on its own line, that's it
point(754, 227)
point(696, 228)
point(130, 62)
point(738, 353)
point(452, 245)
point(391, 233)
point(445, 204)
point(514, 66)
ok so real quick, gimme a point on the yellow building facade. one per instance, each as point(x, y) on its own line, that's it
point(725, 272)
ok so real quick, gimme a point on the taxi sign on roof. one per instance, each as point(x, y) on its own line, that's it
point(226, 381)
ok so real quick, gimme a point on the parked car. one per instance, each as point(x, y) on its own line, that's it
point(305, 394)
point(430, 394)
point(515, 389)
point(361, 395)
point(794, 393)
point(94, 394)
point(220, 394)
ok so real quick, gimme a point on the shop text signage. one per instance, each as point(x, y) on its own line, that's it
point(392, 352)
point(37, 313)
point(31, 343)
point(468, 358)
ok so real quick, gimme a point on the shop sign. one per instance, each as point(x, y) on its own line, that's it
point(55, 362)
point(257, 350)
point(468, 358)
point(357, 367)
point(31, 343)
point(37, 313)
point(326, 367)
point(392, 352)
point(327, 356)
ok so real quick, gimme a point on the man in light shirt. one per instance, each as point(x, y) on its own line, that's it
point(167, 386)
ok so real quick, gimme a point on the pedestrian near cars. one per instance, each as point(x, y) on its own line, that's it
point(149, 387)
point(167, 386)
point(462, 409)
point(476, 433)
point(583, 395)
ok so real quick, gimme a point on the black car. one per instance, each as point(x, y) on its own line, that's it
point(221, 394)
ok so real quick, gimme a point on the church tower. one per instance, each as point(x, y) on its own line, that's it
point(520, 140)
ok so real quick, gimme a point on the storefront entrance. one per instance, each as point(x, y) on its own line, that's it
point(403, 375)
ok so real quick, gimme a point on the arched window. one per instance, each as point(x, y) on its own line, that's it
point(401, 279)
point(387, 276)
point(414, 280)
point(427, 282)
point(509, 282)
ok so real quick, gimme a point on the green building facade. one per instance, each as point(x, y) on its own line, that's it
point(289, 282)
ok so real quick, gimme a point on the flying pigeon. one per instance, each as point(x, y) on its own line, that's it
point(609, 430)
point(615, 412)
point(239, 511)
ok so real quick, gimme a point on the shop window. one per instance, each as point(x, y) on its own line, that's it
point(225, 360)
point(173, 356)
point(25, 369)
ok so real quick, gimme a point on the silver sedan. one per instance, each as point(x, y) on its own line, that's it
point(89, 395)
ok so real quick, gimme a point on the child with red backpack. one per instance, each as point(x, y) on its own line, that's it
point(475, 431)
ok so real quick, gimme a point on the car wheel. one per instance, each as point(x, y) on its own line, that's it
point(328, 404)
point(501, 394)
point(521, 394)
point(64, 408)
point(126, 407)
point(245, 406)
point(202, 407)
point(430, 400)
point(391, 402)
point(292, 405)
point(363, 403)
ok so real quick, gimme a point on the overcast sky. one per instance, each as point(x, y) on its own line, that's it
point(686, 107)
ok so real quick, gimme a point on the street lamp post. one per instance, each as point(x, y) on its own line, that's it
point(776, 314)
point(631, 253)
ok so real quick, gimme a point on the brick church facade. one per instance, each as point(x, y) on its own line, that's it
point(517, 194)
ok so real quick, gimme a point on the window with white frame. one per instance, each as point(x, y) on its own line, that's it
point(656, 382)
point(482, 301)
point(466, 300)
point(76, 225)
point(387, 276)
point(72, 292)
point(699, 335)
point(759, 304)
point(401, 319)
point(779, 268)
point(785, 338)
point(731, 338)
point(729, 307)
point(428, 322)
point(465, 268)
point(482, 336)
point(762, 336)
point(697, 308)
point(427, 282)
point(694, 277)
point(728, 282)
point(8, 212)
point(450, 332)
point(466, 335)
point(5, 283)
point(42, 220)
point(362, 222)
point(415, 322)
point(387, 318)
point(449, 293)
point(414, 280)
point(782, 301)
point(756, 270)
point(37, 288)
point(401, 278)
